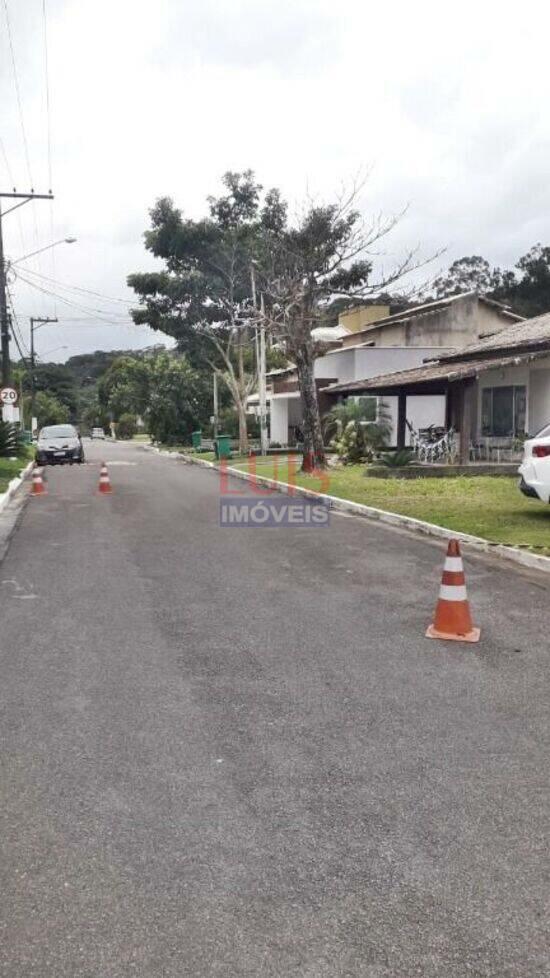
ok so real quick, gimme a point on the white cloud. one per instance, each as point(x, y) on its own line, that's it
point(447, 103)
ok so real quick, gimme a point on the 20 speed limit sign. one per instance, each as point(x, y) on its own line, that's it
point(8, 395)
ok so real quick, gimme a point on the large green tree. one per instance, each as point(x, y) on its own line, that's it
point(125, 386)
point(203, 295)
point(55, 380)
point(171, 395)
point(469, 274)
point(526, 287)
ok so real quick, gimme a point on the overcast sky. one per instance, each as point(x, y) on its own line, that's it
point(447, 104)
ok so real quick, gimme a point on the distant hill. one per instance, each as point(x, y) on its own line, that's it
point(87, 368)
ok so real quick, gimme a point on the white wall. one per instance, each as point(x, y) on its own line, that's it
point(422, 411)
point(376, 361)
point(538, 398)
point(359, 363)
point(278, 420)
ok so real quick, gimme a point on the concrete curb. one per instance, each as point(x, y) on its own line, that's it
point(14, 485)
point(511, 554)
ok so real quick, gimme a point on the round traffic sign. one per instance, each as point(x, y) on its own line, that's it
point(8, 395)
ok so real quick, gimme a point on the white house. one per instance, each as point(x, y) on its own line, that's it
point(495, 390)
point(368, 342)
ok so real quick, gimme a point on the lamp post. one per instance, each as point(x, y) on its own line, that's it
point(36, 322)
point(260, 358)
point(4, 266)
point(40, 250)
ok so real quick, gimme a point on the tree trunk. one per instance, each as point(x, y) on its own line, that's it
point(241, 402)
point(243, 432)
point(314, 449)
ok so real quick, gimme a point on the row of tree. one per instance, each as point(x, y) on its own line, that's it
point(245, 264)
point(526, 287)
point(93, 390)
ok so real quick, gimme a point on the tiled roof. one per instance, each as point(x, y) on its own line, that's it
point(431, 373)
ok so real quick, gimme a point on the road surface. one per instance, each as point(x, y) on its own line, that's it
point(231, 752)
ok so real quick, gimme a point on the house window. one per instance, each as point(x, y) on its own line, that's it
point(503, 411)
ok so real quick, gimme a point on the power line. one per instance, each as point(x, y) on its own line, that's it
point(16, 329)
point(47, 79)
point(9, 171)
point(49, 137)
point(22, 120)
point(79, 288)
point(18, 93)
point(101, 313)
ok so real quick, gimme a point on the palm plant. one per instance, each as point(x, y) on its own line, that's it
point(362, 409)
point(10, 439)
point(357, 429)
point(401, 457)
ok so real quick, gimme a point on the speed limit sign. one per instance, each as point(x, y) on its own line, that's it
point(8, 395)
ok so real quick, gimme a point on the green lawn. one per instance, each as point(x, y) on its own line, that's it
point(489, 507)
point(9, 470)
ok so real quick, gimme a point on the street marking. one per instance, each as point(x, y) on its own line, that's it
point(119, 462)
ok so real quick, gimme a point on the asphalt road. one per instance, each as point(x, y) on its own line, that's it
point(231, 752)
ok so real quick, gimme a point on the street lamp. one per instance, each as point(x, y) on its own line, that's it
point(45, 248)
point(36, 323)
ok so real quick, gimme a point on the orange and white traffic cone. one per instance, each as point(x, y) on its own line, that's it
point(38, 487)
point(453, 621)
point(104, 482)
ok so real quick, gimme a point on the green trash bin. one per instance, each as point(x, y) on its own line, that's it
point(196, 439)
point(223, 446)
point(26, 437)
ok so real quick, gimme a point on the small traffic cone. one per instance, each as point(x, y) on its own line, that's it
point(38, 487)
point(104, 482)
point(453, 621)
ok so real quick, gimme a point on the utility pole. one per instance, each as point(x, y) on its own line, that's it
point(260, 360)
point(215, 405)
point(4, 321)
point(36, 322)
point(263, 398)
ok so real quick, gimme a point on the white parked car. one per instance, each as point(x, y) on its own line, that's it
point(535, 467)
point(98, 433)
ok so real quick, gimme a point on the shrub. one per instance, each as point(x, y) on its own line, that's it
point(126, 426)
point(399, 458)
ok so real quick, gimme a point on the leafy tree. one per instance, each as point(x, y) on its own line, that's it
point(469, 274)
point(95, 415)
point(203, 297)
point(165, 390)
point(327, 253)
point(178, 400)
point(126, 426)
point(528, 288)
point(49, 410)
point(125, 386)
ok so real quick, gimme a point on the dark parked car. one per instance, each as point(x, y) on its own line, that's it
point(59, 444)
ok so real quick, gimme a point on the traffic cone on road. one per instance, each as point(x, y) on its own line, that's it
point(453, 621)
point(38, 487)
point(104, 482)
